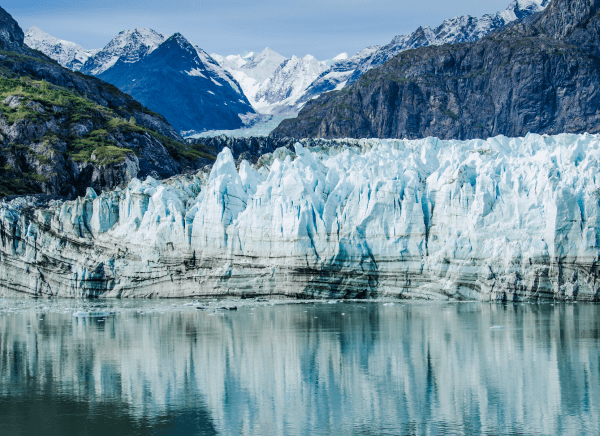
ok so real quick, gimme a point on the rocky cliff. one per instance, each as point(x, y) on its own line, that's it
point(502, 219)
point(61, 131)
point(540, 74)
point(455, 30)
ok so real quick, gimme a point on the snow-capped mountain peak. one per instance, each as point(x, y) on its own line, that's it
point(66, 53)
point(184, 84)
point(269, 80)
point(287, 84)
point(521, 8)
point(128, 46)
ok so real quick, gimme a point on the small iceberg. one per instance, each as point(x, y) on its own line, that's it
point(497, 327)
point(84, 314)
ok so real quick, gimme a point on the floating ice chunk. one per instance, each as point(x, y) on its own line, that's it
point(91, 314)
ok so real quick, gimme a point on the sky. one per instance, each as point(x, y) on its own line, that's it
point(322, 28)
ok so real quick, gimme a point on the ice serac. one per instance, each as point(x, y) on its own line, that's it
point(501, 219)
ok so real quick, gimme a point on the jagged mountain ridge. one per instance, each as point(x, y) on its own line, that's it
point(271, 82)
point(66, 53)
point(173, 77)
point(129, 46)
point(274, 88)
point(208, 99)
point(540, 74)
point(464, 28)
point(185, 84)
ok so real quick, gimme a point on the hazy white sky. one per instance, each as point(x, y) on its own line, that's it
point(323, 28)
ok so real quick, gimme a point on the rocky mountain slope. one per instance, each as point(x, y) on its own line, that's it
point(66, 53)
point(61, 132)
point(502, 219)
point(540, 74)
point(452, 31)
point(184, 84)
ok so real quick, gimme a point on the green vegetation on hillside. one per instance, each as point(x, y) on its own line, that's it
point(37, 102)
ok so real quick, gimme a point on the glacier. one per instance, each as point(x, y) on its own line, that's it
point(502, 219)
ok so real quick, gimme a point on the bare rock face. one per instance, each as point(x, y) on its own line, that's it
point(502, 219)
point(540, 74)
point(564, 16)
point(11, 35)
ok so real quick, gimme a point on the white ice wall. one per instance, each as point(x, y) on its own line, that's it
point(502, 218)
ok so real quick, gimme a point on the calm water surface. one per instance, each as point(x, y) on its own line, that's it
point(158, 368)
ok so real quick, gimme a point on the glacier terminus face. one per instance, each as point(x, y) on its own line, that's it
point(497, 219)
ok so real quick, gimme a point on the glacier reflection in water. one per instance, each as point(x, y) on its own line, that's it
point(346, 368)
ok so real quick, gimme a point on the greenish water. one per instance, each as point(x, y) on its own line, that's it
point(360, 368)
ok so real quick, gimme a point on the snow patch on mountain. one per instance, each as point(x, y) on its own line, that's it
point(340, 57)
point(66, 53)
point(287, 84)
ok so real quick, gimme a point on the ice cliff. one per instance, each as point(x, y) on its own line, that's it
point(502, 219)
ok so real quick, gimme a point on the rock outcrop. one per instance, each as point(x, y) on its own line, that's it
point(502, 219)
point(540, 74)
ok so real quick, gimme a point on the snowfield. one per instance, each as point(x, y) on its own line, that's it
point(500, 219)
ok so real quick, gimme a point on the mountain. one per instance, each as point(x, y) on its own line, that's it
point(251, 70)
point(62, 132)
point(506, 219)
point(183, 83)
point(66, 53)
point(128, 47)
point(187, 86)
point(340, 57)
point(452, 31)
point(271, 82)
point(286, 85)
point(337, 75)
point(540, 74)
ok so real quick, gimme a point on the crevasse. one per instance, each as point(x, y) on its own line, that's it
point(497, 219)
